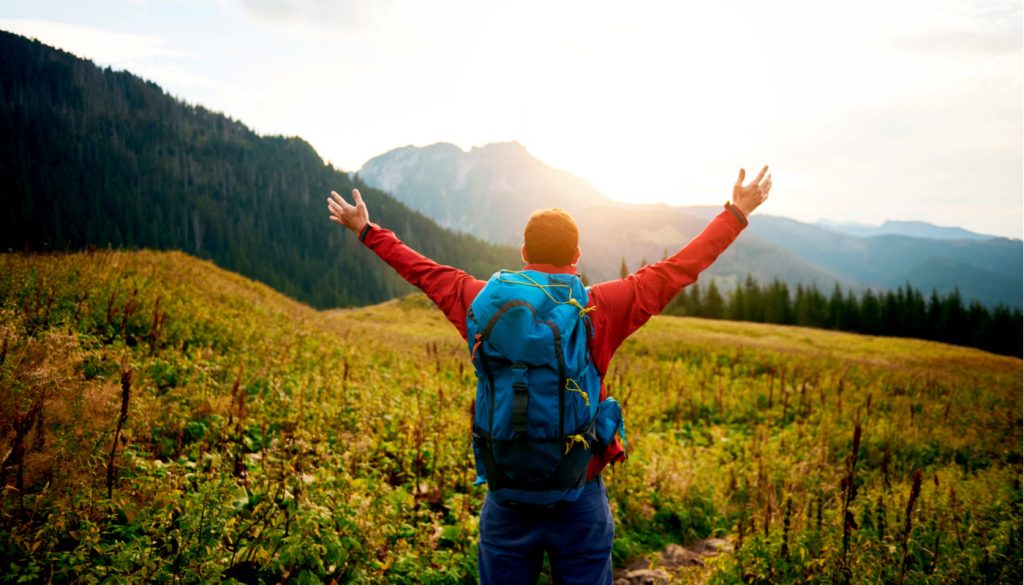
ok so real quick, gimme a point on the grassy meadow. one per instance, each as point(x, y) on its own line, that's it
point(163, 420)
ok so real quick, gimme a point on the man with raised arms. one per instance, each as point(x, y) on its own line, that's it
point(575, 533)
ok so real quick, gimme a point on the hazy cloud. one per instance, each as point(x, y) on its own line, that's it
point(342, 15)
point(148, 56)
point(966, 28)
point(960, 42)
point(117, 49)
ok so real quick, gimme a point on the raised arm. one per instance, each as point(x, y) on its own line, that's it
point(451, 289)
point(627, 303)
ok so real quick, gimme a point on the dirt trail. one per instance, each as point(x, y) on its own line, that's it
point(675, 564)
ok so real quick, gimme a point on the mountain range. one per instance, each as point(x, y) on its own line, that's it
point(490, 191)
point(917, 229)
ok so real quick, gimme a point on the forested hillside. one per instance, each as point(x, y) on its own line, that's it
point(94, 157)
point(905, 312)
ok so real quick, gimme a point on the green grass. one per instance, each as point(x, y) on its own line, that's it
point(266, 441)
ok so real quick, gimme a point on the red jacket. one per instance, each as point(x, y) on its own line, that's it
point(623, 305)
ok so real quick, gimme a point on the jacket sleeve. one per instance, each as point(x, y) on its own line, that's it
point(625, 304)
point(449, 288)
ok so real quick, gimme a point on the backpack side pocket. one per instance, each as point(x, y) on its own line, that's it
point(608, 422)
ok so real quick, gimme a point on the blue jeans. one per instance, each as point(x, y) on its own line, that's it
point(576, 535)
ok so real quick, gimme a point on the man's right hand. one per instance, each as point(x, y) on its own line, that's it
point(748, 197)
point(354, 217)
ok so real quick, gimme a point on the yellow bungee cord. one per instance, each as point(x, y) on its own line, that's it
point(544, 287)
point(572, 440)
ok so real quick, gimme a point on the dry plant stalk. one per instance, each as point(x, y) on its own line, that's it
point(849, 486)
point(22, 425)
point(785, 401)
point(956, 516)
point(839, 395)
point(915, 491)
point(78, 306)
point(111, 311)
point(154, 329)
point(741, 528)
point(129, 309)
point(126, 387)
point(785, 527)
point(818, 513)
point(939, 526)
point(235, 398)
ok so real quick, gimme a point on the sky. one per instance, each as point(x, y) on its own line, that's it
point(868, 111)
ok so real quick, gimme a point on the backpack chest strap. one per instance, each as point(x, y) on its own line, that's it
point(521, 397)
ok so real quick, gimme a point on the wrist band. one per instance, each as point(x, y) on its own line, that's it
point(364, 231)
point(736, 212)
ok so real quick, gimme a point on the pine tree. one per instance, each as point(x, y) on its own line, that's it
point(755, 304)
point(693, 300)
point(870, 313)
point(713, 306)
point(936, 324)
point(953, 316)
point(777, 304)
point(737, 309)
point(851, 313)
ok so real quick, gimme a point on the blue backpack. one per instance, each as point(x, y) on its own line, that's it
point(537, 421)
